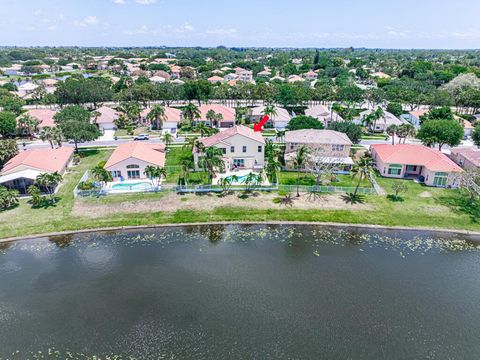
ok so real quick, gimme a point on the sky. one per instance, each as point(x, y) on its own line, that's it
point(404, 24)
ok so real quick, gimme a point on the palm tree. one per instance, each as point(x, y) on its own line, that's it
point(167, 139)
point(203, 129)
point(280, 135)
point(185, 165)
point(270, 110)
point(218, 119)
point(157, 116)
point(131, 110)
point(407, 130)
point(57, 136)
point(211, 160)
point(377, 115)
point(47, 135)
point(240, 113)
point(392, 130)
point(156, 174)
point(49, 181)
point(362, 169)
point(8, 197)
point(102, 175)
point(191, 113)
point(211, 117)
point(28, 125)
point(299, 161)
point(189, 143)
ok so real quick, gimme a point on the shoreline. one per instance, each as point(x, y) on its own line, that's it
point(172, 225)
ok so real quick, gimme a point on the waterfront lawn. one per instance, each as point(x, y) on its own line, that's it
point(307, 179)
point(421, 207)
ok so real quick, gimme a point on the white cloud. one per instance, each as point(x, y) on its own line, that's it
point(141, 30)
point(87, 21)
point(164, 30)
point(145, 2)
point(120, 2)
point(222, 32)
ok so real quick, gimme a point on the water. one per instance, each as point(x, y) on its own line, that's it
point(242, 292)
point(132, 186)
point(240, 179)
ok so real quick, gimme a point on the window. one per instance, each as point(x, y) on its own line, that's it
point(244, 149)
point(440, 179)
point(259, 148)
point(292, 146)
point(411, 168)
point(395, 169)
point(338, 147)
point(224, 150)
point(133, 166)
point(133, 174)
point(232, 149)
point(116, 173)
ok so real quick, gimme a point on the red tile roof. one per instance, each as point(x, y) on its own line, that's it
point(171, 114)
point(47, 160)
point(150, 153)
point(107, 115)
point(45, 116)
point(236, 130)
point(408, 154)
point(227, 113)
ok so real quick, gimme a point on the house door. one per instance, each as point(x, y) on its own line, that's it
point(440, 179)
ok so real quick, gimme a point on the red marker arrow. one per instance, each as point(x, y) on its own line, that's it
point(259, 126)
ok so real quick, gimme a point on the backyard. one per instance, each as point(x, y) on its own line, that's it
point(421, 207)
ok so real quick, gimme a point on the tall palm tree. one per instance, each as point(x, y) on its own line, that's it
point(47, 135)
point(189, 143)
point(299, 161)
point(240, 113)
point(407, 130)
point(185, 165)
point(211, 161)
point(218, 119)
point(392, 130)
point(49, 181)
point(28, 124)
point(211, 117)
point(167, 139)
point(362, 169)
point(270, 110)
point(157, 116)
point(191, 113)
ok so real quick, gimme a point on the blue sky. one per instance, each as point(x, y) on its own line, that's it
point(300, 23)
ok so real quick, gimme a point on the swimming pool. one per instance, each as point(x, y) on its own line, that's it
point(143, 185)
point(241, 179)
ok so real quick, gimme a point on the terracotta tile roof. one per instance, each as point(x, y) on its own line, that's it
point(227, 113)
point(46, 160)
point(408, 154)
point(418, 113)
point(148, 152)
point(471, 154)
point(107, 115)
point(45, 116)
point(313, 136)
point(282, 113)
point(171, 114)
point(236, 130)
point(215, 78)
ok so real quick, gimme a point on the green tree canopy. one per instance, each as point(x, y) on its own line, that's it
point(441, 132)
point(304, 122)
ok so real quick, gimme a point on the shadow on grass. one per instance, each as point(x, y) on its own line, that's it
point(461, 205)
point(9, 208)
point(353, 199)
point(395, 198)
point(46, 203)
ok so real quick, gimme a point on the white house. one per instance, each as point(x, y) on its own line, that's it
point(129, 160)
point(278, 121)
point(106, 119)
point(242, 148)
point(383, 123)
point(324, 115)
point(171, 120)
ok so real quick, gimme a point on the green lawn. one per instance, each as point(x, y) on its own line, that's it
point(174, 156)
point(290, 178)
point(421, 207)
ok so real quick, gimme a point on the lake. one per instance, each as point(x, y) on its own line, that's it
point(242, 292)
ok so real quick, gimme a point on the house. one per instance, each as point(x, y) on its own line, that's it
point(175, 71)
point(326, 146)
point(277, 78)
point(466, 158)
point(380, 75)
point(278, 121)
point(425, 164)
point(311, 75)
point(170, 123)
point(413, 117)
point(129, 160)
point(381, 124)
point(22, 170)
point(231, 76)
point(242, 148)
point(157, 79)
point(295, 78)
point(321, 113)
point(467, 128)
point(215, 79)
point(226, 120)
point(162, 74)
point(44, 116)
point(245, 75)
point(264, 73)
point(106, 119)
